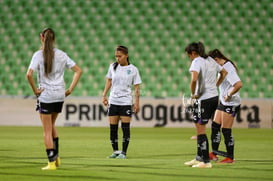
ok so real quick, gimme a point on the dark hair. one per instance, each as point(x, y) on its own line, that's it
point(124, 50)
point(218, 54)
point(198, 48)
point(48, 49)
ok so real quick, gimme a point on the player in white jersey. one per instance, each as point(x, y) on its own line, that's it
point(121, 76)
point(226, 111)
point(50, 64)
point(203, 86)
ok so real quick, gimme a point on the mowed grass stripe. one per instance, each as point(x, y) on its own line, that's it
point(153, 154)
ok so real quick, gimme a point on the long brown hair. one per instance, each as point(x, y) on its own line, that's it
point(48, 49)
point(218, 54)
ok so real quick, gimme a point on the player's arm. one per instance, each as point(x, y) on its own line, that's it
point(137, 95)
point(31, 82)
point(194, 78)
point(223, 74)
point(236, 87)
point(76, 77)
point(107, 86)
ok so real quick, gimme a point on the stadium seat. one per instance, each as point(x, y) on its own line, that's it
point(156, 33)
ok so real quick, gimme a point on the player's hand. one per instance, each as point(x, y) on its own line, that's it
point(68, 92)
point(227, 98)
point(192, 101)
point(136, 108)
point(38, 92)
point(104, 100)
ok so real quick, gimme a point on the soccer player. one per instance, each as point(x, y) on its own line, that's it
point(121, 77)
point(204, 90)
point(228, 107)
point(50, 64)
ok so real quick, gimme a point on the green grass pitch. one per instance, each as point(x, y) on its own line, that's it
point(154, 154)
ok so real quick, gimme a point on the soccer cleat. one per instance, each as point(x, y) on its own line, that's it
point(114, 155)
point(227, 160)
point(192, 162)
point(58, 162)
point(50, 166)
point(202, 165)
point(194, 137)
point(121, 156)
point(212, 156)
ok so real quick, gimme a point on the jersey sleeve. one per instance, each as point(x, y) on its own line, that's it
point(219, 68)
point(69, 62)
point(137, 78)
point(34, 63)
point(109, 73)
point(233, 77)
point(195, 66)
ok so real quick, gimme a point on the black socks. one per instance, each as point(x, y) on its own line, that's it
point(215, 135)
point(114, 136)
point(126, 136)
point(229, 142)
point(203, 147)
point(52, 154)
point(216, 139)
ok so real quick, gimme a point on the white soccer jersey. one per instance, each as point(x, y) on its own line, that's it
point(207, 77)
point(122, 80)
point(227, 84)
point(53, 85)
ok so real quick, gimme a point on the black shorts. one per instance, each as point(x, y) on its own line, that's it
point(233, 110)
point(203, 110)
point(48, 108)
point(116, 110)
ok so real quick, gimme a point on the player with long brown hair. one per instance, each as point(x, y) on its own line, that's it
point(50, 64)
point(227, 109)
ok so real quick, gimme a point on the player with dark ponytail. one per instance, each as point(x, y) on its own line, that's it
point(121, 76)
point(50, 64)
point(125, 51)
point(204, 91)
point(227, 108)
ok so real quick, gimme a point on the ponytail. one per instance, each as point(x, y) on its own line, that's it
point(201, 50)
point(48, 49)
point(115, 65)
point(218, 54)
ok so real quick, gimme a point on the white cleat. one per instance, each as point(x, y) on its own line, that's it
point(202, 165)
point(192, 162)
